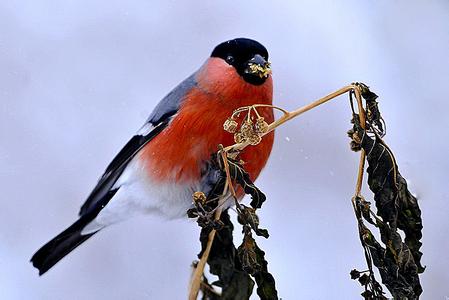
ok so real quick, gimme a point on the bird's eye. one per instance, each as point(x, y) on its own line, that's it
point(230, 59)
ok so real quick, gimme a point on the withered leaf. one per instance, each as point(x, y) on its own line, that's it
point(247, 255)
point(364, 207)
point(247, 216)
point(241, 177)
point(399, 262)
point(368, 295)
point(374, 116)
point(395, 204)
point(396, 268)
point(354, 274)
point(266, 287)
point(232, 266)
point(224, 262)
point(364, 279)
point(208, 291)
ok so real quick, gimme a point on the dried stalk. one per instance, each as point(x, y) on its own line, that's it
point(197, 275)
point(359, 183)
point(198, 272)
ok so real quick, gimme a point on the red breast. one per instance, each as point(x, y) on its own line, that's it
point(178, 153)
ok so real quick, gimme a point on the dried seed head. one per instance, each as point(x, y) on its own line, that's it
point(350, 132)
point(230, 125)
point(356, 138)
point(366, 235)
point(238, 138)
point(354, 274)
point(261, 126)
point(254, 139)
point(354, 146)
point(247, 128)
point(199, 197)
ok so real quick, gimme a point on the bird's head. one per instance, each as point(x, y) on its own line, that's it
point(248, 57)
point(237, 73)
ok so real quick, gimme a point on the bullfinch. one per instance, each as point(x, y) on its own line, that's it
point(166, 161)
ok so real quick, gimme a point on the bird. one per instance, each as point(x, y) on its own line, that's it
point(166, 161)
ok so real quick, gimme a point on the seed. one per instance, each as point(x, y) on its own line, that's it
point(199, 197)
point(230, 125)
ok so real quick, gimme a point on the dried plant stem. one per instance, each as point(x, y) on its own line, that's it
point(362, 117)
point(228, 175)
point(292, 114)
point(197, 275)
point(358, 186)
point(198, 272)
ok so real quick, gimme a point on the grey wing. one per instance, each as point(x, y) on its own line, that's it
point(157, 122)
point(170, 104)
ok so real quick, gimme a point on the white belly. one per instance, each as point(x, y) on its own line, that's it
point(138, 194)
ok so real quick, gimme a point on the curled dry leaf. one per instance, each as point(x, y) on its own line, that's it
point(235, 268)
point(399, 262)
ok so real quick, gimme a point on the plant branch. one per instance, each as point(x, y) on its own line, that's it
point(198, 272)
point(195, 282)
point(362, 117)
point(293, 114)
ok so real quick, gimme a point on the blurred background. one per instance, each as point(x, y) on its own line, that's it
point(78, 78)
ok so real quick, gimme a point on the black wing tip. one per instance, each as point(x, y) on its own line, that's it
point(64, 243)
point(42, 271)
point(40, 260)
point(39, 266)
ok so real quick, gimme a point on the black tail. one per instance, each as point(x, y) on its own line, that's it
point(52, 252)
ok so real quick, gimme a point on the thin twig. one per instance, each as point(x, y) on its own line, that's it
point(228, 174)
point(292, 114)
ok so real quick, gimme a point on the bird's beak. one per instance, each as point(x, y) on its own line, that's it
point(258, 66)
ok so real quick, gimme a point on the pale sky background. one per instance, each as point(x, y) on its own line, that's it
point(78, 78)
